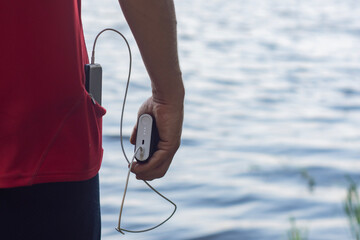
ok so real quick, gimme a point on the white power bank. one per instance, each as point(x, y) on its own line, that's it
point(147, 137)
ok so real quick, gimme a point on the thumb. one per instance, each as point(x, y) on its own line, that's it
point(133, 135)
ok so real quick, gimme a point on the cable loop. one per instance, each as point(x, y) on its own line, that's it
point(118, 228)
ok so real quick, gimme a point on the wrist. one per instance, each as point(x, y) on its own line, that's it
point(171, 93)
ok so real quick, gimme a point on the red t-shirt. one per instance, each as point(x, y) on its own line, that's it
point(50, 131)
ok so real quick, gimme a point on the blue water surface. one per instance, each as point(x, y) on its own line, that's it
point(272, 96)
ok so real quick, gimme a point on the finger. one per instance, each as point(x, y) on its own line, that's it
point(133, 135)
point(156, 167)
point(155, 174)
point(149, 166)
point(158, 173)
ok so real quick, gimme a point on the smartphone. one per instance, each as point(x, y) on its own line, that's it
point(93, 82)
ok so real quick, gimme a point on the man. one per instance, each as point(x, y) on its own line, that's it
point(50, 130)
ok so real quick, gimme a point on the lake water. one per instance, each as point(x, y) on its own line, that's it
point(272, 100)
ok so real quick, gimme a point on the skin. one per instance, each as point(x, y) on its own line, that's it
point(153, 24)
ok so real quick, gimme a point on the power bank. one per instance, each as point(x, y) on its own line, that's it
point(147, 137)
point(93, 82)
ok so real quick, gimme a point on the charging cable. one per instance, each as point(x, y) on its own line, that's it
point(118, 228)
point(125, 190)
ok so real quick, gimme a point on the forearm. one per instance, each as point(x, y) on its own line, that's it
point(153, 24)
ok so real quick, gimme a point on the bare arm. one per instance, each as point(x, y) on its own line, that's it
point(153, 24)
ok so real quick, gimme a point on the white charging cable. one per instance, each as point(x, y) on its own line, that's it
point(118, 228)
point(125, 190)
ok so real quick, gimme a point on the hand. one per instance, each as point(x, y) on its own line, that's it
point(169, 119)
